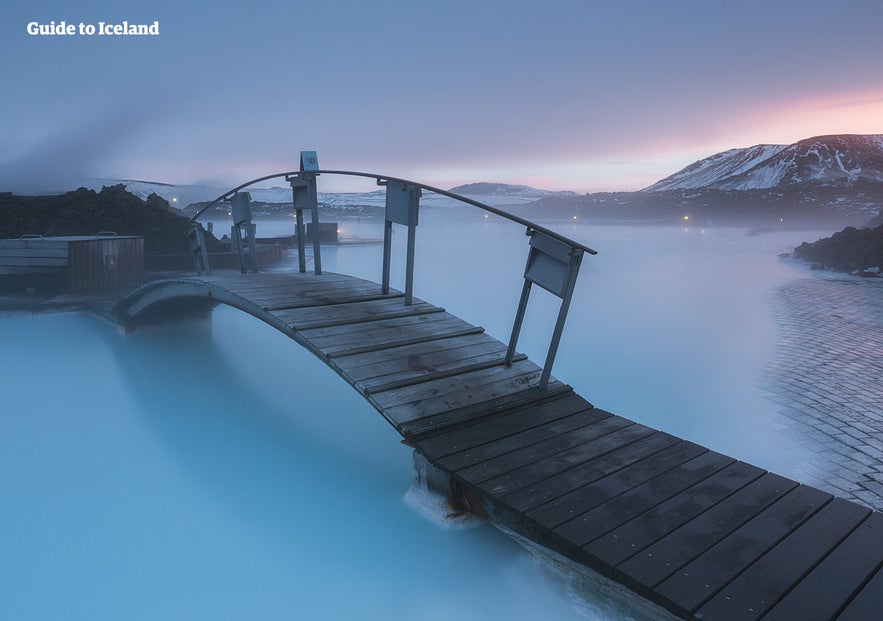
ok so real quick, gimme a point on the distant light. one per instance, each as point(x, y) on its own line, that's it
point(174, 200)
point(781, 219)
point(486, 216)
point(574, 217)
point(338, 231)
point(686, 218)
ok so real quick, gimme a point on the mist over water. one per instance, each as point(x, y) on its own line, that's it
point(217, 470)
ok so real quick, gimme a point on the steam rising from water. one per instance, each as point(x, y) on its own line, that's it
point(216, 470)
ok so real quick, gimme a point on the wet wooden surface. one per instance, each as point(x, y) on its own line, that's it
point(700, 533)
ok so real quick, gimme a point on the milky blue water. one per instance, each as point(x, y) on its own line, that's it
point(214, 470)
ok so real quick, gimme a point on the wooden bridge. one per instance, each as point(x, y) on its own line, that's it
point(702, 534)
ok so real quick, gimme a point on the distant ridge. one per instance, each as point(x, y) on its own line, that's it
point(836, 160)
point(817, 182)
point(502, 194)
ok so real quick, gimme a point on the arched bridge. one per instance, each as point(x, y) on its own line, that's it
point(412, 362)
point(700, 533)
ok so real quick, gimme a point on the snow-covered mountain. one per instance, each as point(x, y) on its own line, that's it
point(840, 160)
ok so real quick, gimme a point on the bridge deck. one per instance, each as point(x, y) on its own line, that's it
point(702, 534)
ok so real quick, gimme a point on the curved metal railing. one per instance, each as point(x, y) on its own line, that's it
point(381, 180)
point(553, 259)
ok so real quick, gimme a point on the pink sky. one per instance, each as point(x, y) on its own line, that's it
point(573, 95)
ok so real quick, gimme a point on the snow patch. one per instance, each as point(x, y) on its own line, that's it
point(827, 160)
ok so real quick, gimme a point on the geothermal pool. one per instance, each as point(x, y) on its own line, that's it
point(216, 470)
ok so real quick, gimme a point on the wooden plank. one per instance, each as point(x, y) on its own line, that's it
point(555, 464)
point(483, 396)
point(401, 311)
point(33, 262)
point(60, 252)
point(382, 332)
point(626, 540)
point(355, 330)
point(663, 558)
point(455, 383)
point(381, 373)
point(443, 420)
point(326, 316)
point(261, 296)
point(263, 280)
point(329, 290)
point(516, 441)
point(302, 299)
point(834, 582)
point(587, 497)
point(687, 589)
point(329, 300)
point(293, 296)
point(370, 364)
point(760, 586)
point(348, 344)
point(415, 377)
point(587, 472)
point(612, 514)
point(280, 291)
point(507, 462)
point(508, 423)
point(32, 244)
point(868, 603)
point(268, 282)
point(265, 295)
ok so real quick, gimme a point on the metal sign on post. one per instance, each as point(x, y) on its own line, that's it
point(241, 208)
point(305, 196)
point(402, 207)
point(309, 161)
point(554, 266)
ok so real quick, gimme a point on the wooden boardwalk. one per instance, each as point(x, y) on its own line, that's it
point(702, 534)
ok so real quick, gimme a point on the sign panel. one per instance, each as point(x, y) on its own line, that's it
point(549, 263)
point(241, 204)
point(402, 203)
point(309, 161)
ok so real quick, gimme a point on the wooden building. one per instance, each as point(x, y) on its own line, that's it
point(77, 263)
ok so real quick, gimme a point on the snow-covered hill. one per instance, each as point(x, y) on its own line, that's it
point(499, 194)
point(839, 160)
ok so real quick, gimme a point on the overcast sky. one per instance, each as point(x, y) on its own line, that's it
point(581, 95)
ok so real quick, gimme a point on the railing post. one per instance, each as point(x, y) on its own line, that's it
point(314, 211)
point(554, 266)
point(519, 320)
point(575, 261)
point(409, 264)
point(196, 237)
point(305, 196)
point(402, 207)
point(241, 208)
point(300, 197)
point(387, 256)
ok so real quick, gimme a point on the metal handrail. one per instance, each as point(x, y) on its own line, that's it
point(379, 178)
point(553, 259)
